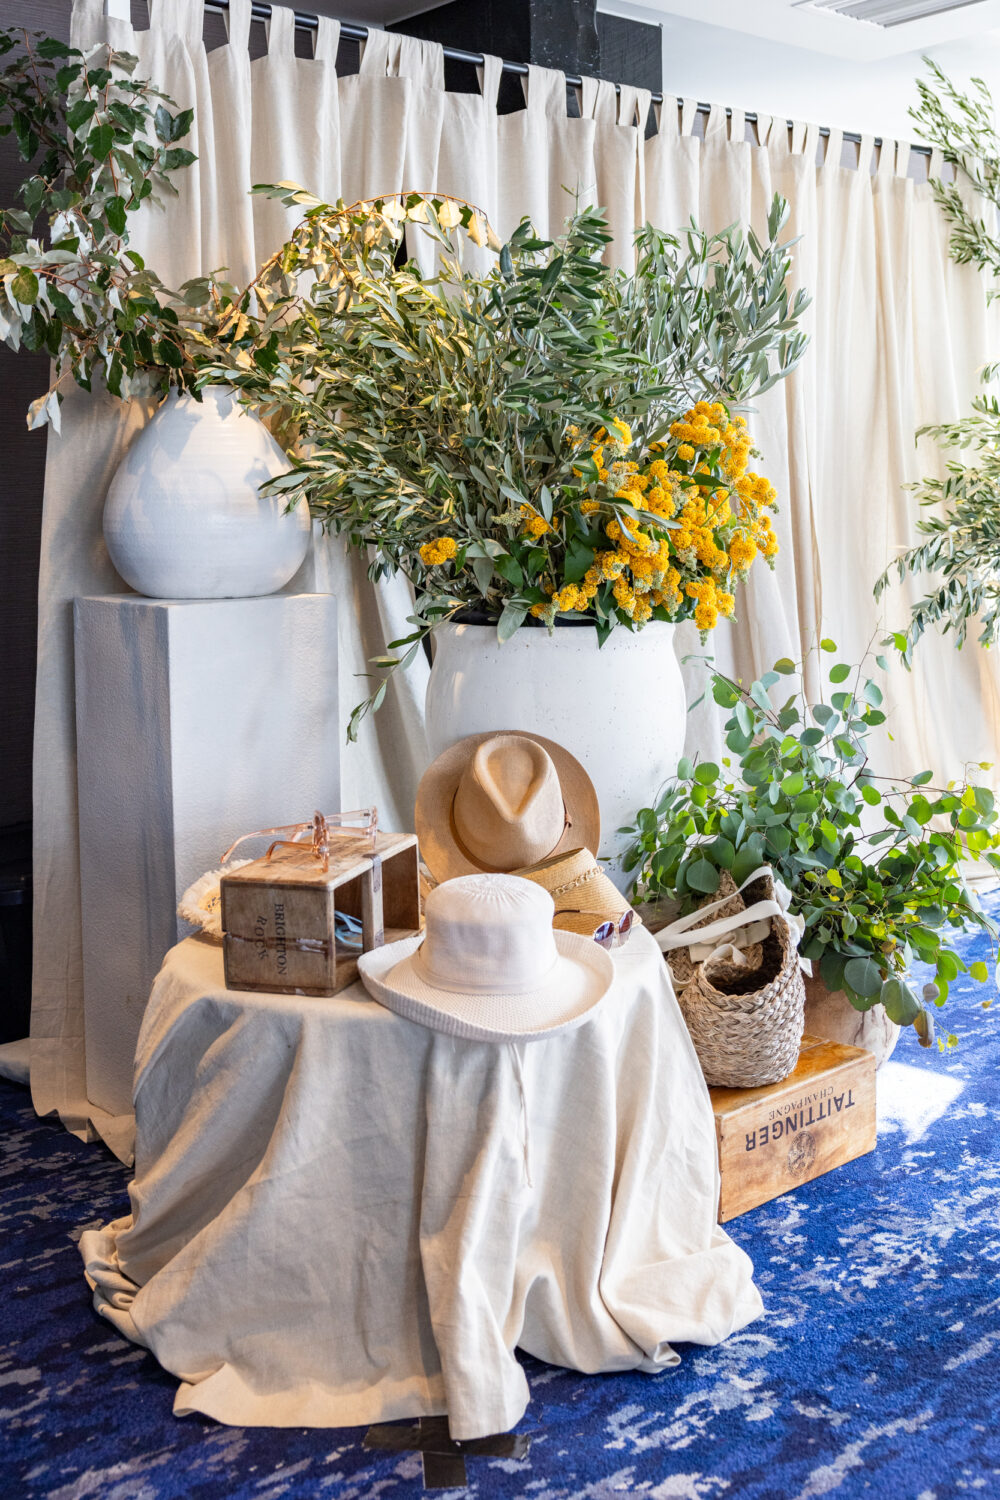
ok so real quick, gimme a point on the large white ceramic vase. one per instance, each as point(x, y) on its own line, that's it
point(619, 708)
point(184, 517)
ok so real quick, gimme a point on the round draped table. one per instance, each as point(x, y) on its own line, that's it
point(341, 1217)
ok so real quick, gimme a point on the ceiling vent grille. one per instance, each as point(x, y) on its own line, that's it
point(887, 12)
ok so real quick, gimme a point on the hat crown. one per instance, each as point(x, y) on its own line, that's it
point(488, 934)
point(508, 808)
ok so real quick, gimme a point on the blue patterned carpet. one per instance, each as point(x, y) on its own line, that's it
point(872, 1373)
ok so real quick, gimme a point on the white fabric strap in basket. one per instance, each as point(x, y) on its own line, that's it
point(743, 1005)
point(738, 930)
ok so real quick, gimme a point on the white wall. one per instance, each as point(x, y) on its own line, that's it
point(721, 66)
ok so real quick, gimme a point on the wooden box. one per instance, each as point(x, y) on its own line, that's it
point(278, 914)
point(772, 1139)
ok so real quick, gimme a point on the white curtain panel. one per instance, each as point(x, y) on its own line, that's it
point(898, 336)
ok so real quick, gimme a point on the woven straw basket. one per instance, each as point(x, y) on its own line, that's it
point(745, 1019)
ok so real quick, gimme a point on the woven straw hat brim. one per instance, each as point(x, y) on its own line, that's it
point(569, 995)
point(435, 829)
point(576, 880)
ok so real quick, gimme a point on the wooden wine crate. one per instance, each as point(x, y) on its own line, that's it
point(278, 915)
point(775, 1138)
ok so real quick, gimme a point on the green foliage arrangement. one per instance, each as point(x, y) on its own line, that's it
point(961, 530)
point(477, 432)
point(874, 868)
point(101, 142)
point(961, 537)
point(961, 124)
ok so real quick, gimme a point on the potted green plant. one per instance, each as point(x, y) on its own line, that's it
point(874, 868)
point(184, 514)
point(553, 443)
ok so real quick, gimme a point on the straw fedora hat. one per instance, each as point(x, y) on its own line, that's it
point(489, 966)
point(496, 802)
point(583, 895)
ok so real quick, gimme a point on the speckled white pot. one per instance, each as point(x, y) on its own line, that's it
point(620, 709)
point(184, 518)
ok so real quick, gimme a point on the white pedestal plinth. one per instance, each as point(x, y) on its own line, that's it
point(197, 720)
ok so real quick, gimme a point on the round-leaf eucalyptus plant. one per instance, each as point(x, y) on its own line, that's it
point(874, 867)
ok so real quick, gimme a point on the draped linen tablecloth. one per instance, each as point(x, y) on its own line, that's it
point(341, 1217)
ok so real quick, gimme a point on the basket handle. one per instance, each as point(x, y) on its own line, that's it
point(675, 935)
point(668, 941)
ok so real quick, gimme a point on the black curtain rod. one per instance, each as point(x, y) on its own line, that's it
point(261, 11)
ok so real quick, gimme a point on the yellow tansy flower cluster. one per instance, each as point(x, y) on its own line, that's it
point(681, 525)
point(707, 425)
point(534, 525)
point(441, 550)
point(742, 551)
point(572, 597)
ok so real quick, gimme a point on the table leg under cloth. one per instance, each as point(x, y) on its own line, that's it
point(342, 1218)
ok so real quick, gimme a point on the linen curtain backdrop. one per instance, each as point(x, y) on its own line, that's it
point(898, 335)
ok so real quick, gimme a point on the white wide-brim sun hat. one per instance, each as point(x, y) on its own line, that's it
point(489, 967)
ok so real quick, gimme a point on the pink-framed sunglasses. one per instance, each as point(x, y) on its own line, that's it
point(609, 934)
point(322, 831)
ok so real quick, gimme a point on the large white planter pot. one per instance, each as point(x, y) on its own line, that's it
point(184, 518)
point(830, 1014)
point(620, 709)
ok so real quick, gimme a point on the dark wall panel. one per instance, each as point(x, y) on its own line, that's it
point(571, 35)
point(631, 52)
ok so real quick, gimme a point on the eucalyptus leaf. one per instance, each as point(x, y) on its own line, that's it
point(722, 852)
point(703, 877)
point(864, 977)
point(900, 1003)
point(831, 968)
point(924, 1026)
point(748, 859)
